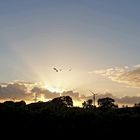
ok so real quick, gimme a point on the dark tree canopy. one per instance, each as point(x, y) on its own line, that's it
point(107, 103)
point(59, 114)
point(20, 103)
point(65, 101)
point(9, 103)
point(87, 104)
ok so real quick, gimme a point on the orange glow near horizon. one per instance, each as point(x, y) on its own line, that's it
point(77, 103)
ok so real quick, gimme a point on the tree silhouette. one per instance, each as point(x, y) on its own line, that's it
point(87, 104)
point(9, 103)
point(137, 105)
point(65, 101)
point(107, 103)
point(20, 103)
point(59, 114)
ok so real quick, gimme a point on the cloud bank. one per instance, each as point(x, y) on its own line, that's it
point(14, 90)
point(125, 75)
point(26, 91)
point(20, 91)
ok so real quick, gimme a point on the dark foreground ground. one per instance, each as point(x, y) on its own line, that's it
point(40, 120)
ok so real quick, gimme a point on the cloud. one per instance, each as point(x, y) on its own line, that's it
point(74, 95)
point(14, 90)
point(49, 95)
point(137, 66)
point(19, 91)
point(128, 100)
point(26, 91)
point(125, 75)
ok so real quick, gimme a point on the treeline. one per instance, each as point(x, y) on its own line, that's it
point(59, 114)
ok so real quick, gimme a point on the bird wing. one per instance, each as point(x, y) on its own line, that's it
point(55, 69)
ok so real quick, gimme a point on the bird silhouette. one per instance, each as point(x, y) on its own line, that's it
point(60, 70)
point(55, 69)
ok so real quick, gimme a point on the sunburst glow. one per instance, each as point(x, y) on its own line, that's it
point(54, 88)
point(42, 98)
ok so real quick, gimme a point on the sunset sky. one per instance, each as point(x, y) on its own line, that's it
point(99, 40)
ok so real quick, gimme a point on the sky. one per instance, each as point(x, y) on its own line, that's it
point(97, 39)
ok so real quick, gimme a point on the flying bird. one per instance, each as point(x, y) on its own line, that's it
point(59, 70)
point(55, 69)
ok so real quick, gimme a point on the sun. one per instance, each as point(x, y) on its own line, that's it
point(53, 88)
